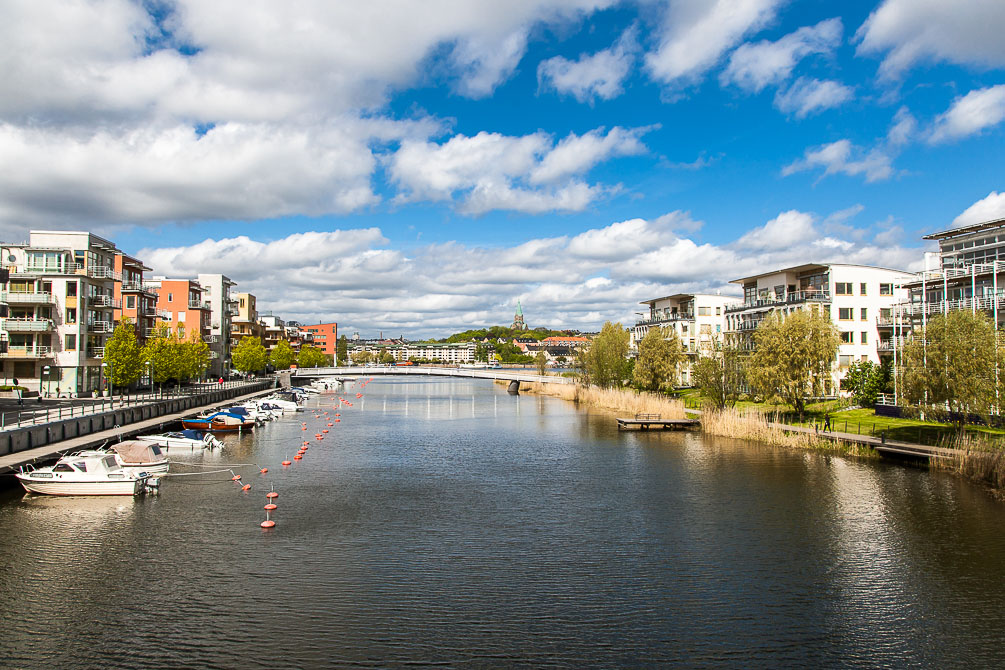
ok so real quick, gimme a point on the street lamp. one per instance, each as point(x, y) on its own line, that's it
point(45, 373)
point(150, 366)
point(108, 377)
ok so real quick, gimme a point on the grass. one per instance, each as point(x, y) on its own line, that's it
point(621, 400)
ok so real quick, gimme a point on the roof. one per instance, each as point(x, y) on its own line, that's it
point(806, 267)
point(681, 296)
point(965, 230)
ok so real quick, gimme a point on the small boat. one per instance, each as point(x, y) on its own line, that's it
point(288, 402)
point(249, 414)
point(265, 408)
point(220, 422)
point(134, 457)
point(97, 474)
point(183, 440)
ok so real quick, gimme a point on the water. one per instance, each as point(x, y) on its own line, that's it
point(448, 523)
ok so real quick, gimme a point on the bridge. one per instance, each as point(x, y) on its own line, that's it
point(513, 376)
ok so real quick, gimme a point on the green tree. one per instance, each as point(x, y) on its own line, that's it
point(362, 357)
point(605, 362)
point(866, 380)
point(282, 356)
point(249, 355)
point(124, 355)
point(660, 356)
point(719, 375)
point(342, 350)
point(541, 362)
point(951, 362)
point(793, 357)
point(386, 357)
point(160, 352)
point(482, 353)
point(311, 357)
point(193, 356)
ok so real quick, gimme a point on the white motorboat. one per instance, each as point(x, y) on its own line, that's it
point(327, 385)
point(183, 440)
point(135, 457)
point(288, 402)
point(264, 408)
point(97, 474)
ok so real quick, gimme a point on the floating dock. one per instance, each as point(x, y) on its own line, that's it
point(647, 421)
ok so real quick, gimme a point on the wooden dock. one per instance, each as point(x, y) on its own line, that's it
point(647, 421)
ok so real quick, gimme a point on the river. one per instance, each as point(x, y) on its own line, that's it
point(448, 523)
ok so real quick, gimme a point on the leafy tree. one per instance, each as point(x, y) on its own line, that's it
point(482, 353)
point(193, 356)
point(386, 357)
point(311, 357)
point(282, 356)
point(342, 350)
point(605, 362)
point(362, 357)
point(161, 353)
point(951, 362)
point(660, 355)
point(123, 355)
point(249, 355)
point(793, 357)
point(866, 380)
point(541, 362)
point(719, 375)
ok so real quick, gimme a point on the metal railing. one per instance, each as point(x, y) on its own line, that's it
point(96, 352)
point(26, 325)
point(40, 351)
point(18, 298)
point(666, 318)
point(100, 326)
point(786, 299)
point(101, 272)
point(197, 304)
point(105, 301)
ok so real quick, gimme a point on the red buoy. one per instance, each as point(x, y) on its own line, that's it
point(235, 478)
point(271, 494)
point(268, 523)
point(270, 506)
point(264, 470)
point(298, 457)
point(246, 487)
point(286, 462)
point(325, 430)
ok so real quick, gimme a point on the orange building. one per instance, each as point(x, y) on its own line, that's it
point(134, 299)
point(181, 307)
point(325, 336)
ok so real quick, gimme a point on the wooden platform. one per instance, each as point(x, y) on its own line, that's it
point(647, 421)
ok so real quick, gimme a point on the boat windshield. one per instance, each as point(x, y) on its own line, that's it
point(109, 462)
point(81, 465)
point(62, 467)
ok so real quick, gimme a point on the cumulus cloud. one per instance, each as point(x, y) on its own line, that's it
point(696, 33)
point(591, 76)
point(913, 31)
point(990, 208)
point(843, 157)
point(970, 114)
point(810, 96)
point(754, 66)
point(493, 171)
point(578, 281)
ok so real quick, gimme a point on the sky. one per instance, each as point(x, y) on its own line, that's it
point(416, 168)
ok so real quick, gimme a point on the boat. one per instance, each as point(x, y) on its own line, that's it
point(97, 474)
point(248, 414)
point(134, 457)
point(288, 402)
point(183, 440)
point(219, 422)
point(264, 408)
point(327, 385)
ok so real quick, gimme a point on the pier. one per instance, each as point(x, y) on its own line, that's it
point(647, 421)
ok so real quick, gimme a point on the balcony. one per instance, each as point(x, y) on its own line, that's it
point(672, 317)
point(214, 354)
point(105, 301)
point(211, 339)
point(14, 351)
point(100, 326)
point(138, 287)
point(884, 321)
point(30, 270)
point(232, 310)
point(16, 298)
point(100, 272)
point(149, 311)
point(196, 304)
point(769, 302)
point(96, 352)
point(27, 325)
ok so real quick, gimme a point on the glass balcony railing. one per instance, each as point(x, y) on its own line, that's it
point(785, 299)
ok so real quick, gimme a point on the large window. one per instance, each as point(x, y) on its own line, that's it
point(846, 313)
point(862, 288)
point(863, 337)
point(886, 289)
point(842, 288)
point(71, 343)
point(847, 337)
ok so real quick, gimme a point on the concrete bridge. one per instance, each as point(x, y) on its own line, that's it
point(513, 376)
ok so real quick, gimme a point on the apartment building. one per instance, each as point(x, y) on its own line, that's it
point(698, 319)
point(136, 299)
point(273, 330)
point(180, 306)
point(61, 297)
point(859, 300)
point(216, 292)
point(325, 336)
point(245, 323)
point(463, 352)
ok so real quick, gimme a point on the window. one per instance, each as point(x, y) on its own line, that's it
point(71, 343)
point(861, 288)
point(847, 337)
point(864, 338)
point(170, 297)
point(131, 302)
point(865, 314)
point(704, 311)
point(71, 315)
point(706, 329)
point(844, 361)
point(846, 313)
point(886, 289)
point(71, 289)
point(842, 288)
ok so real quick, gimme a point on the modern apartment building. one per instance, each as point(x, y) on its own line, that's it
point(216, 292)
point(857, 299)
point(245, 322)
point(181, 307)
point(137, 300)
point(273, 330)
point(463, 352)
point(698, 319)
point(61, 297)
point(325, 336)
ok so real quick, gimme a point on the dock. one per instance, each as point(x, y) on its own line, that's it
point(647, 421)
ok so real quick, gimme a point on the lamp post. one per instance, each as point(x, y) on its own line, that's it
point(45, 373)
point(150, 367)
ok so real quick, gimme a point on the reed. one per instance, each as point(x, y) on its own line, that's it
point(975, 458)
point(762, 427)
point(621, 400)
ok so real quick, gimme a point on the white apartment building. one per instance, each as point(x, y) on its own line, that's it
point(223, 306)
point(698, 319)
point(857, 298)
point(61, 297)
point(462, 352)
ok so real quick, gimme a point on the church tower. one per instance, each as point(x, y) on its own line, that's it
point(518, 323)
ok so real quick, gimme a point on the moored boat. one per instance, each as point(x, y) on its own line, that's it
point(97, 474)
point(220, 422)
point(183, 440)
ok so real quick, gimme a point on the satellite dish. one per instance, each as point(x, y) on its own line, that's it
point(11, 258)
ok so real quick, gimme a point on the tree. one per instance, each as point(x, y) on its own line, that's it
point(282, 356)
point(481, 353)
point(719, 375)
point(605, 362)
point(161, 353)
point(541, 362)
point(793, 357)
point(866, 380)
point(342, 350)
point(311, 357)
point(362, 357)
point(951, 362)
point(193, 356)
point(124, 355)
point(249, 355)
point(386, 357)
point(660, 355)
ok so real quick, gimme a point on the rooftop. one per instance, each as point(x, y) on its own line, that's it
point(965, 230)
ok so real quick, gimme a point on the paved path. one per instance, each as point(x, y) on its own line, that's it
point(12, 461)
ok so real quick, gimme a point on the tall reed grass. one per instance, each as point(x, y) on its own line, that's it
point(762, 427)
point(975, 458)
point(621, 400)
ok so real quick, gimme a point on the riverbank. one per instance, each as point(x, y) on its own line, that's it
point(618, 400)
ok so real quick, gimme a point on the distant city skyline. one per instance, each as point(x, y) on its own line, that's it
point(423, 168)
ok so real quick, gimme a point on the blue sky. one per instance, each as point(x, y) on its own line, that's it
point(418, 168)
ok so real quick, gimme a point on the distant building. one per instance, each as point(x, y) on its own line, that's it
point(325, 336)
point(223, 307)
point(518, 323)
point(245, 322)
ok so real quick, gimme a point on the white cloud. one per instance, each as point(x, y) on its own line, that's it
point(809, 96)
point(913, 31)
point(970, 114)
point(753, 66)
point(903, 130)
point(493, 171)
point(599, 75)
point(696, 33)
point(842, 157)
point(786, 229)
point(990, 208)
